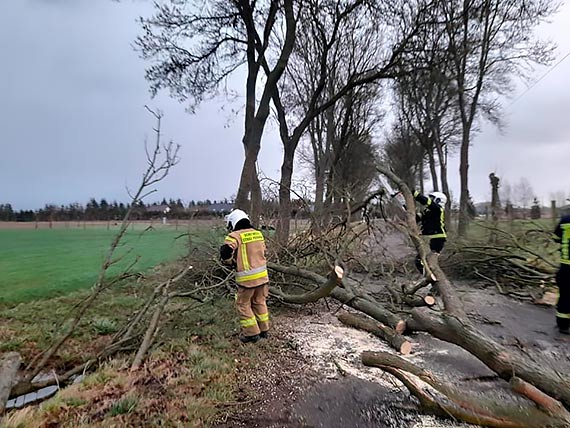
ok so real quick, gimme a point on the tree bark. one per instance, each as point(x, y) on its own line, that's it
point(458, 404)
point(395, 340)
point(505, 362)
point(249, 174)
point(442, 156)
point(348, 298)
point(284, 223)
point(372, 309)
point(324, 290)
point(433, 171)
point(464, 180)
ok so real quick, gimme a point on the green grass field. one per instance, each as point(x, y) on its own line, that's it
point(37, 264)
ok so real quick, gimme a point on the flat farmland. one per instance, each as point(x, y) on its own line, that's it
point(43, 262)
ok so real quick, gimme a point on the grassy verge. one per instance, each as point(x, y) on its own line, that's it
point(189, 379)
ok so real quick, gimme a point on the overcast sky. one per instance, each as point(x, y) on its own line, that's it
point(73, 123)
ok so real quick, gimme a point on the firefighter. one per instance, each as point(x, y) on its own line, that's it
point(244, 248)
point(562, 236)
point(432, 221)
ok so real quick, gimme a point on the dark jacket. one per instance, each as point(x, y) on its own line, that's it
point(432, 218)
point(562, 236)
point(226, 252)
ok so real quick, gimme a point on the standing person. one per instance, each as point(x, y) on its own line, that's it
point(562, 236)
point(244, 248)
point(432, 221)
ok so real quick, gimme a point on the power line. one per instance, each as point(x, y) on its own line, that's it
point(540, 78)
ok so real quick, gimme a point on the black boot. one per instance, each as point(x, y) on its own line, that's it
point(264, 335)
point(563, 325)
point(249, 339)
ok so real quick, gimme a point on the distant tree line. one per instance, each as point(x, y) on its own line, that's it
point(103, 210)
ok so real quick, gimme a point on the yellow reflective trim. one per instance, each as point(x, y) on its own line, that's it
point(565, 249)
point(248, 322)
point(565, 262)
point(438, 235)
point(244, 259)
point(442, 219)
point(252, 276)
point(263, 317)
point(416, 193)
point(229, 238)
point(561, 315)
point(429, 202)
point(252, 236)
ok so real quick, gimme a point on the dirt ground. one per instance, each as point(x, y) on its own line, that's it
point(311, 375)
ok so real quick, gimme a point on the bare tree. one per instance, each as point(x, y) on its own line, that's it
point(506, 192)
point(195, 46)
point(426, 103)
point(523, 193)
point(489, 42)
point(342, 46)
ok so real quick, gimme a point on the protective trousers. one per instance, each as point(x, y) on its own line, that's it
point(563, 307)
point(252, 309)
point(436, 246)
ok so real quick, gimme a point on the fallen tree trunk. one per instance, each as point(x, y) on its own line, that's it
point(505, 362)
point(396, 341)
point(451, 401)
point(325, 288)
point(9, 364)
point(375, 310)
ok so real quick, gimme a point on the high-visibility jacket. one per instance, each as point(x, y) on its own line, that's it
point(432, 218)
point(248, 246)
point(562, 236)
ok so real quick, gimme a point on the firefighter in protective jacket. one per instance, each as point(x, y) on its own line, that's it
point(244, 248)
point(562, 236)
point(432, 221)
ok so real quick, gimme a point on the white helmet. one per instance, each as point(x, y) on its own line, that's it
point(439, 198)
point(234, 217)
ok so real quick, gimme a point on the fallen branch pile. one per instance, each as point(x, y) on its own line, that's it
point(543, 392)
point(513, 262)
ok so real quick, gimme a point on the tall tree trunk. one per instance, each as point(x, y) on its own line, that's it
point(319, 189)
point(248, 179)
point(284, 223)
point(433, 171)
point(464, 176)
point(421, 177)
point(442, 156)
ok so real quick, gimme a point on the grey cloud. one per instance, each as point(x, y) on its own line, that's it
point(73, 120)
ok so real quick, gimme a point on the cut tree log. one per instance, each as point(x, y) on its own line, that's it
point(396, 341)
point(418, 301)
point(412, 289)
point(456, 403)
point(9, 364)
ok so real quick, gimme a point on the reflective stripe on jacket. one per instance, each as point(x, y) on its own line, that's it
point(432, 219)
point(562, 236)
point(249, 250)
